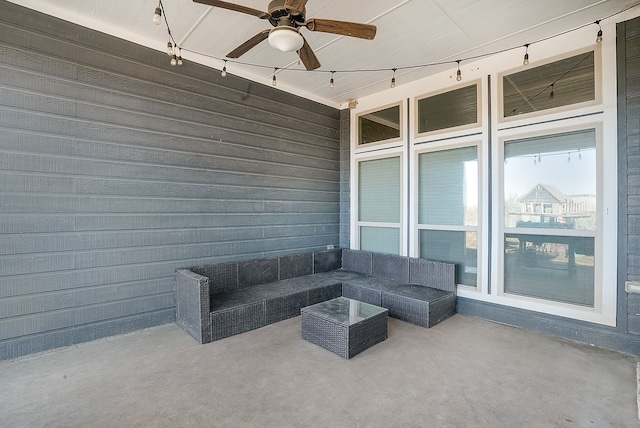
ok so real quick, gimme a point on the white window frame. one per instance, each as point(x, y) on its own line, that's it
point(584, 107)
point(492, 131)
point(457, 130)
point(357, 224)
point(416, 226)
point(390, 142)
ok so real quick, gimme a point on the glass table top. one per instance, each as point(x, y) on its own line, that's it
point(344, 311)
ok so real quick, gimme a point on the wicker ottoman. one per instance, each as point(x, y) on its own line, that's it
point(344, 326)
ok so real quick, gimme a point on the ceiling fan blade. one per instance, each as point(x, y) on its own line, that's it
point(252, 42)
point(307, 56)
point(351, 29)
point(235, 7)
point(296, 5)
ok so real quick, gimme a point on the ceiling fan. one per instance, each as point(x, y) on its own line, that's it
point(287, 17)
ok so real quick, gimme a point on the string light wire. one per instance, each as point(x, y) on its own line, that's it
point(402, 68)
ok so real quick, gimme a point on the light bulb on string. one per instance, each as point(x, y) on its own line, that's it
point(274, 82)
point(223, 73)
point(180, 58)
point(170, 50)
point(552, 93)
point(393, 79)
point(539, 158)
point(174, 60)
point(458, 73)
point(526, 55)
point(579, 155)
point(568, 157)
point(599, 35)
point(157, 15)
point(331, 82)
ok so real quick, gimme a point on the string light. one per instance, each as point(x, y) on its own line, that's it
point(274, 82)
point(157, 15)
point(568, 157)
point(331, 83)
point(171, 50)
point(393, 79)
point(223, 73)
point(180, 58)
point(579, 154)
point(526, 55)
point(552, 94)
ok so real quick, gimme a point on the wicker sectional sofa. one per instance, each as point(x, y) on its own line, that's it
point(221, 300)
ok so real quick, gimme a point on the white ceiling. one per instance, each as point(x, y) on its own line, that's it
point(410, 33)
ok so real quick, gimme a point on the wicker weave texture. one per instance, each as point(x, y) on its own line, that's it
point(362, 294)
point(284, 307)
point(237, 320)
point(343, 340)
point(325, 333)
point(406, 309)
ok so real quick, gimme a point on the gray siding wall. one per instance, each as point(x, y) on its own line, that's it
point(116, 169)
point(629, 167)
point(625, 336)
point(345, 180)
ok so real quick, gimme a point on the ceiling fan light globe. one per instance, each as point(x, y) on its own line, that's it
point(286, 39)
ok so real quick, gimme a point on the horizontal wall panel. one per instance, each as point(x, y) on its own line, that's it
point(36, 223)
point(116, 170)
point(36, 122)
point(23, 285)
point(197, 153)
point(11, 203)
point(54, 320)
point(49, 262)
point(248, 188)
point(30, 61)
point(64, 299)
point(141, 222)
point(244, 171)
point(57, 242)
point(65, 337)
point(39, 243)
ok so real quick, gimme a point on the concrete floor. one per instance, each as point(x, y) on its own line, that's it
point(463, 372)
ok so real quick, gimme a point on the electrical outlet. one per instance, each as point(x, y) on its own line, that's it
point(632, 287)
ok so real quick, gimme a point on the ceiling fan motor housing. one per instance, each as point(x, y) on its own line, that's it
point(277, 10)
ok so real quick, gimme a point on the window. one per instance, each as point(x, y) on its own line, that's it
point(380, 126)
point(379, 205)
point(452, 109)
point(569, 81)
point(550, 216)
point(448, 209)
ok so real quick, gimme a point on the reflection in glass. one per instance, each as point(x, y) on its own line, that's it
point(344, 311)
point(448, 110)
point(558, 268)
point(560, 83)
point(384, 240)
point(460, 248)
point(379, 125)
point(550, 181)
point(448, 187)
